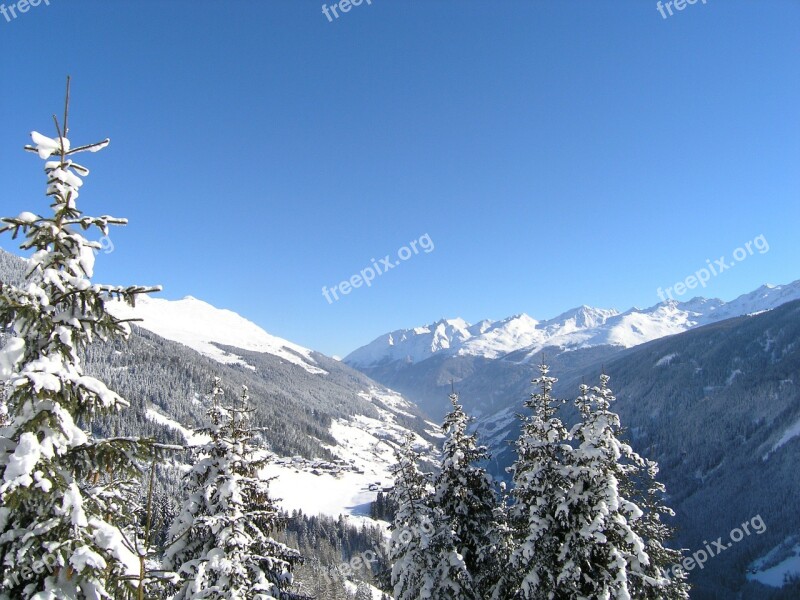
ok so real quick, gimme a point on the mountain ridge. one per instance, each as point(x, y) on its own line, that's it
point(579, 327)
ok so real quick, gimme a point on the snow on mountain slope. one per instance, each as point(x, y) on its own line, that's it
point(364, 449)
point(190, 437)
point(367, 447)
point(495, 339)
point(775, 567)
point(578, 328)
point(415, 344)
point(197, 324)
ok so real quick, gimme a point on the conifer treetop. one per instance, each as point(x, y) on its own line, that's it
point(64, 494)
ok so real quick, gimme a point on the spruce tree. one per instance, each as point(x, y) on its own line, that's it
point(65, 512)
point(601, 547)
point(363, 592)
point(425, 563)
point(220, 545)
point(464, 494)
point(631, 488)
point(539, 514)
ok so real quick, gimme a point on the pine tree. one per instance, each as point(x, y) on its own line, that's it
point(363, 592)
point(464, 494)
point(220, 542)
point(64, 495)
point(658, 581)
point(425, 563)
point(539, 514)
point(630, 487)
point(600, 547)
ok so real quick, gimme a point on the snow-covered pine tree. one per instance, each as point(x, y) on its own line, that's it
point(505, 536)
point(600, 545)
point(632, 502)
point(659, 581)
point(425, 563)
point(538, 516)
point(220, 542)
point(463, 492)
point(411, 527)
point(363, 592)
point(64, 507)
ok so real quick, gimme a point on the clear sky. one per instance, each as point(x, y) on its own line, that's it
point(556, 153)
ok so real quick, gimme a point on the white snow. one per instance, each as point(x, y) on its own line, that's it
point(390, 398)
point(353, 588)
point(46, 146)
point(347, 494)
point(27, 217)
point(72, 503)
point(365, 444)
point(793, 431)
point(774, 576)
point(192, 438)
point(21, 463)
point(582, 327)
point(110, 538)
point(10, 356)
point(85, 556)
point(197, 324)
point(365, 447)
point(732, 376)
point(665, 360)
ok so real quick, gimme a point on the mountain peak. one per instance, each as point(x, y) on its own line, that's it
point(201, 326)
point(580, 327)
point(581, 317)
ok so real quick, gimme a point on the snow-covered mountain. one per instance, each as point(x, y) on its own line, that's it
point(582, 327)
point(332, 429)
point(360, 438)
point(203, 327)
point(717, 405)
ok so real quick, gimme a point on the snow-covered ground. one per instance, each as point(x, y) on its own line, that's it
point(792, 431)
point(365, 452)
point(197, 324)
point(191, 438)
point(353, 588)
point(772, 569)
point(665, 360)
point(326, 494)
point(366, 446)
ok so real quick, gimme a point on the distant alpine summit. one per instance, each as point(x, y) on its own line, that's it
point(581, 327)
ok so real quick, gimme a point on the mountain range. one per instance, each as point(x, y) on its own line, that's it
point(331, 429)
point(582, 327)
point(709, 389)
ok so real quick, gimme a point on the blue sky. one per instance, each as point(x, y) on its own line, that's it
point(556, 153)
